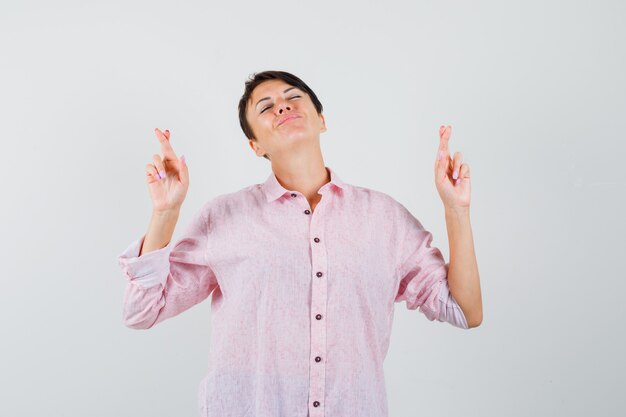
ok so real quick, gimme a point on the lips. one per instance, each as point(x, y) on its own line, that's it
point(289, 117)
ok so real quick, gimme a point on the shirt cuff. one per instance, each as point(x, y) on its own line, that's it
point(149, 269)
point(449, 309)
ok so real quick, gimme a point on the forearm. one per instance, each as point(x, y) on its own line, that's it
point(160, 231)
point(463, 278)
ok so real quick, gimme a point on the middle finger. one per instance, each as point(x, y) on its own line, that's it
point(166, 146)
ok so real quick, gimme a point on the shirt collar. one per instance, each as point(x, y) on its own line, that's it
point(274, 190)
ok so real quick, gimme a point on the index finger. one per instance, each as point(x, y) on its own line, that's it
point(166, 147)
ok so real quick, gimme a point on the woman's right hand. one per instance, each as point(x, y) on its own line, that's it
point(167, 192)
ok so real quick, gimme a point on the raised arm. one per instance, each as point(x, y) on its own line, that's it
point(166, 278)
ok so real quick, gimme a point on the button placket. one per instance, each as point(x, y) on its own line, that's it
point(317, 375)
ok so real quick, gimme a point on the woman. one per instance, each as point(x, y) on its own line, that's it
point(304, 269)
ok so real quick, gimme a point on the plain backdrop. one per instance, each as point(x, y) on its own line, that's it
point(536, 95)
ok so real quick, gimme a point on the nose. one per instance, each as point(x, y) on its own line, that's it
point(282, 105)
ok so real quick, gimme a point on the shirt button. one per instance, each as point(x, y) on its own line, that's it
point(317, 359)
point(316, 403)
point(294, 194)
point(317, 239)
point(318, 316)
point(319, 274)
point(307, 211)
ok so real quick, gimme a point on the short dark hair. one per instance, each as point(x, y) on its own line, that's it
point(257, 78)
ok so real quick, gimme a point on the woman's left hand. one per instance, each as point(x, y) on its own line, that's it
point(451, 175)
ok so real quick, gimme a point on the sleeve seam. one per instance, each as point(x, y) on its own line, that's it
point(399, 260)
point(206, 225)
point(207, 250)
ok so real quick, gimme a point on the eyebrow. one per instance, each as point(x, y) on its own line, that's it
point(267, 98)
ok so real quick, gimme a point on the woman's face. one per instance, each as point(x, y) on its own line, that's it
point(270, 103)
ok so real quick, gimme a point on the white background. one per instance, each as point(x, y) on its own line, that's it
point(535, 94)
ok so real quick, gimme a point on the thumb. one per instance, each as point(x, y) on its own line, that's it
point(183, 173)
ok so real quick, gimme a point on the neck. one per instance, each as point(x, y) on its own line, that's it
point(306, 175)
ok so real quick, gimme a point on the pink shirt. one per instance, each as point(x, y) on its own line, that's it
point(301, 302)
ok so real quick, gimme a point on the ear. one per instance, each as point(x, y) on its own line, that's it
point(323, 123)
point(256, 148)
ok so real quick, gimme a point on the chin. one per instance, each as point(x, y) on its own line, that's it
point(297, 135)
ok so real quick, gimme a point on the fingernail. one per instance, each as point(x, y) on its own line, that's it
point(455, 175)
point(167, 130)
point(162, 174)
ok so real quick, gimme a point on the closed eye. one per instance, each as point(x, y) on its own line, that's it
point(271, 106)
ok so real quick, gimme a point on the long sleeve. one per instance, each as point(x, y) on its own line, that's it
point(165, 282)
point(423, 275)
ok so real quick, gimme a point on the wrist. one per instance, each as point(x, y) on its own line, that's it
point(457, 211)
point(166, 214)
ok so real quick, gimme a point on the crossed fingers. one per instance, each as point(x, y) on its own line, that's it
point(453, 167)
